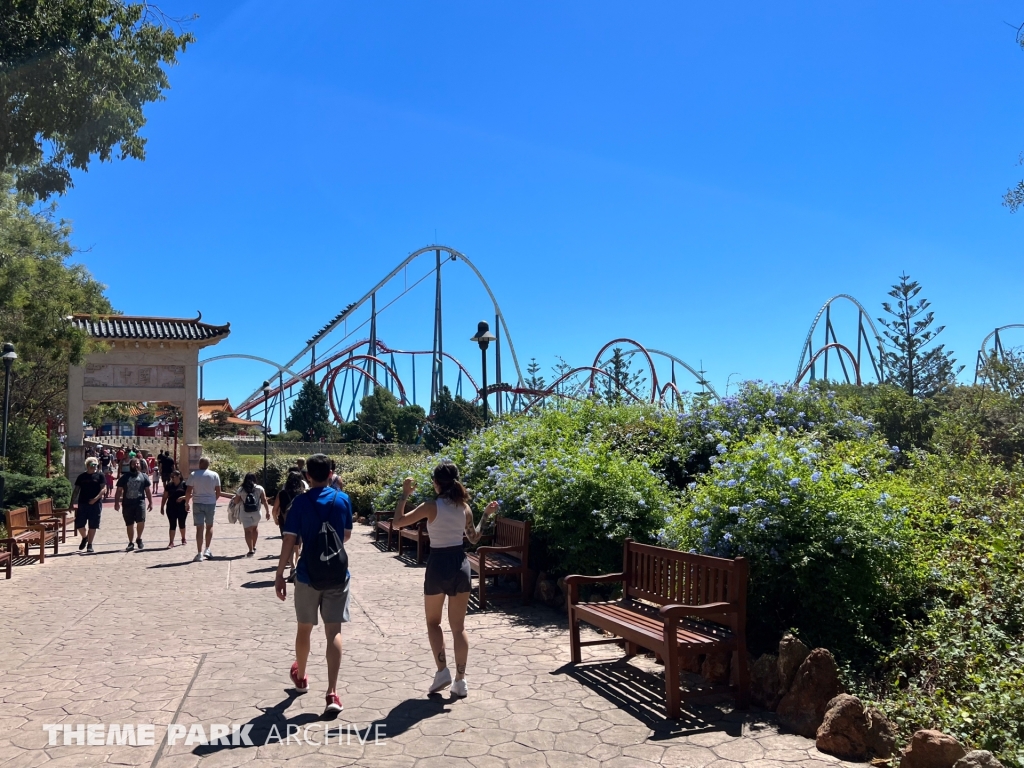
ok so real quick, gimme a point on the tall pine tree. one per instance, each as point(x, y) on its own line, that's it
point(308, 413)
point(917, 371)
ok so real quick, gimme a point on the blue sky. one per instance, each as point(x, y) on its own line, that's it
point(700, 177)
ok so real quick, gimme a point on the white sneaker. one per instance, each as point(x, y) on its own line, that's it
point(198, 558)
point(442, 680)
point(208, 554)
point(460, 689)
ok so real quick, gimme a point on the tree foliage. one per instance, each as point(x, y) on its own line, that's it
point(39, 289)
point(74, 78)
point(917, 371)
point(453, 418)
point(621, 378)
point(383, 419)
point(308, 413)
point(533, 381)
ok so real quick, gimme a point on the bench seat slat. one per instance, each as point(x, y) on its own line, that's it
point(689, 634)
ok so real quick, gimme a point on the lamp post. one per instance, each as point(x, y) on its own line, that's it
point(9, 357)
point(266, 428)
point(484, 337)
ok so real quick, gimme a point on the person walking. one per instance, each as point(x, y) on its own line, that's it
point(87, 501)
point(319, 518)
point(203, 490)
point(449, 518)
point(166, 466)
point(250, 497)
point(134, 489)
point(335, 481)
point(175, 506)
point(293, 488)
point(151, 471)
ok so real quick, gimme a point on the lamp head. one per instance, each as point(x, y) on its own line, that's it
point(266, 389)
point(483, 334)
point(9, 354)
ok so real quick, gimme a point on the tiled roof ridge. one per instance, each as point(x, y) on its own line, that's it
point(156, 328)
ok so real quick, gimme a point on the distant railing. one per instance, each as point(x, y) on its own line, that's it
point(275, 447)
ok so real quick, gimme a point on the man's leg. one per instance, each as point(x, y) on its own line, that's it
point(209, 534)
point(302, 633)
point(434, 604)
point(333, 632)
point(199, 539)
point(131, 532)
point(139, 526)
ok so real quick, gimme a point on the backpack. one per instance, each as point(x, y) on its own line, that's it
point(325, 556)
point(251, 503)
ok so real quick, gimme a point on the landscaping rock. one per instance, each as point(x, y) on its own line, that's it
point(792, 653)
point(692, 662)
point(764, 681)
point(881, 734)
point(816, 683)
point(715, 668)
point(844, 731)
point(547, 592)
point(931, 749)
point(978, 758)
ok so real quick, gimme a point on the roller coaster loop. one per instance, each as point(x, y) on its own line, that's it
point(808, 355)
point(640, 347)
point(984, 354)
point(823, 351)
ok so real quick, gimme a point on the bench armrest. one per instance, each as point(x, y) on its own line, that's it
point(608, 578)
point(11, 544)
point(490, 550)
point(708, 609)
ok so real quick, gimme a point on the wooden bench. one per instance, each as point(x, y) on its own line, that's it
point(417, 533)
point(672, 602)
point(24, 532)
point(507, 555)
point(382, 524)
point(45, 513)
point(5, 554)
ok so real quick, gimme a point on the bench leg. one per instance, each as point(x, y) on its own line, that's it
point(483, 590)
point(42, 550)
point(673, 696)
point(742, 678)
point(419, 551)
point(574, 637)
point(523, 581)
point(631, 648)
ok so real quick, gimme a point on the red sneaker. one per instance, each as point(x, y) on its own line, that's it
point(334, 707)
point(300, 686)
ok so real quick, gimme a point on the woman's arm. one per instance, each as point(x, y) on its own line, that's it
point(266, 504)
point(163, 502)
point(423, 511)
point(276, 511)
point(475, 532)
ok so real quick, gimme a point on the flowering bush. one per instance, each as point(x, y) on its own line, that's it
point(824, 528)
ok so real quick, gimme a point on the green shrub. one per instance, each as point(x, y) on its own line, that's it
point(824, 528)
point(22, 490)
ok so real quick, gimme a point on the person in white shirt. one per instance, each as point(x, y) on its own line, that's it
point(203, 490)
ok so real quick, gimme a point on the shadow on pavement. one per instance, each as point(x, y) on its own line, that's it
point(642, 695)
point(256, 584)
point(410, 713)
point(172, 565)
point(263, 727)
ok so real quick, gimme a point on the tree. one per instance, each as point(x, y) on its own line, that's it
point(452, 419)
point(116, 413)
point(39, 290)
point(74, 77)
point(620, 378)
point(918, 372)
point(1005, 372)
point(308, 413)
point(558, 371)
point(534, 381)
point(383, 419)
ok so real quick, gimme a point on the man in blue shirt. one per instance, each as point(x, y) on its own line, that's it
point(303, 523)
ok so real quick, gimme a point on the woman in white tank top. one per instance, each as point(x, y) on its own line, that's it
point(449, 518)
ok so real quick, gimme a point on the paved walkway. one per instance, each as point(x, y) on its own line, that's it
point(151, 637)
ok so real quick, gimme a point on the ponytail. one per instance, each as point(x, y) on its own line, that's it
point(446, 475)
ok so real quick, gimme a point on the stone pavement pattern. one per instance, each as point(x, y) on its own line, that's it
point(151, 637)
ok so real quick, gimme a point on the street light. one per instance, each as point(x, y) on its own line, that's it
point(483, 338)
point(9, 357)
point(266, 428)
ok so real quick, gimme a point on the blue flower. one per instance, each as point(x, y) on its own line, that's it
point(986, 519)
point(727, 537)
point(784, 501)
point(721, 448)
point(954, 500)
point(816, 477)
point(831, 516)
point(642, 503)
point(839, 540)
point(734, 510)
point(794, 482)
point(731, 484)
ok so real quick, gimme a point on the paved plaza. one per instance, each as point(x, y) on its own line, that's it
point(151, 637)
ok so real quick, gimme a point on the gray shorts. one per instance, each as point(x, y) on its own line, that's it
point(203, 513)
point(332, 604)
point(447, 572)
point(249, 519)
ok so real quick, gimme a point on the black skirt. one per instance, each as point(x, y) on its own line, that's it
point(447, 572)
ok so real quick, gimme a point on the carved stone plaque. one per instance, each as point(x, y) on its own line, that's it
point(155, 376)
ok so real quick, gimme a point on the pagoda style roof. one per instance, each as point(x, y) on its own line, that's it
point(149, 328)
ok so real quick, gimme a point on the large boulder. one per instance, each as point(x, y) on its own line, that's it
point(764, 681)
point(851, 732)
point(978, 758)
point(815, 684)
point(792, 653)
point(931, 749)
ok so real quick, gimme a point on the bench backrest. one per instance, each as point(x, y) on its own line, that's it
point(17, 518)
point(512, 533)
point(44, 508)
point(669, 577)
